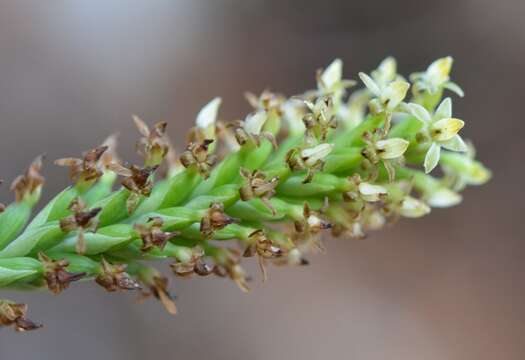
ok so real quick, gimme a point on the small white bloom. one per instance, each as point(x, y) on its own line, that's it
point(386, 72)
point(333, 74)
point(443, 197)
point(437, 77)
point(312, 155)
point(389, 95)
point(413, 208)
point(254, 123)
point(293, 114)
point(442, 130)
point(208, 114)
point(391, 148)
point(370, 192)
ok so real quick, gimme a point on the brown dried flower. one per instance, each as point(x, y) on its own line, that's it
point(262, 246)
point(258, 187)
point(15, 314)
point(158, 288)
point(153, 145)
point(81, 220)
point(215, 219)
point(87, 170)
point(196, 154)
point(31, 182)
point(152, 234)
point(137, 180)
point(114, 277)
point(55, 274)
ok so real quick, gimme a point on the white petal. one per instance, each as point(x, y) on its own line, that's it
point(445, 129)
point(254, 122)
point(455, 144)
point(314, 154)
point(333, 74)
point(444, 110)
point(208, 114)
point(432, 157)
point(455, 88)
point(370, 84)
point(438, 72)
point(395, 92)
point(391, 148)
point(413, 208)
point(420, 113)
point(371, 192)
point(443, 198)
point(387, 70)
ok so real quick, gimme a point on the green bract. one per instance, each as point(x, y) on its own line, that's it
point(267, 186)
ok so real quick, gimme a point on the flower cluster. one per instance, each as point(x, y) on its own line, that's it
point(268, 187)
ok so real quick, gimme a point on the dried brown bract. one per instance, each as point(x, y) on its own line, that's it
point(152, 234)
point(215, 219)
point(264, 248)
point(15, 315)
point(268, 101)
point(196, 154)
point(196, 265)
point(307, 229)
point(153, 145)
point(81, 220)
point(55, 274)
point(158, 288)
point(257, 186)
point(87, 170)
point(114, 277)
point(137, 180)
point(30, 182)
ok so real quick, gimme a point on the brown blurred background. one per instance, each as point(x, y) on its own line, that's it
point(449, 286)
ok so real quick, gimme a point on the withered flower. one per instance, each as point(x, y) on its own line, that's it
point(267, 101)
point(24, 186)
point(320, 119)
point(258, 187)
point(87, 170)
point(153, 145)
point(114, 277)
point(310, 159)
point(196, 154)
point(215, 219)
point(264, 248)
point(55, 274)
point(310, 226)
point(81, 220)
point(152, 235)
point(15, 314)
point(196, 265)
point(137, 180)
point(158, 288)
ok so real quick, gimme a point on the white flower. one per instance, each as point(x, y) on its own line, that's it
point(389, 96)
point(437, 77)
point(207, 117)
point(386, 72)
point(391, 148)
point(254, 123)
point(413, 208)
point(370, 192)
point(293, 113)
point(317, 153)
point(442, 130)
point(331, 81)
point(442, 198)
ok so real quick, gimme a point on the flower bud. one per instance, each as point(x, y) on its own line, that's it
point(446, 129)
point(391, 148)
point(413, 208)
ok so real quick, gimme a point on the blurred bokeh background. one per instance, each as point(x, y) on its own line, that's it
point(449, 286)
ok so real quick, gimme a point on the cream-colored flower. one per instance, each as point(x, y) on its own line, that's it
point(207, 117)
point(413, 208)
point(370, 192)
point(330, 81)
point(391, 148)
point(313, 155)
point(441, 129)
point(254, 122)
point(388, 96)
point(437, 77)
